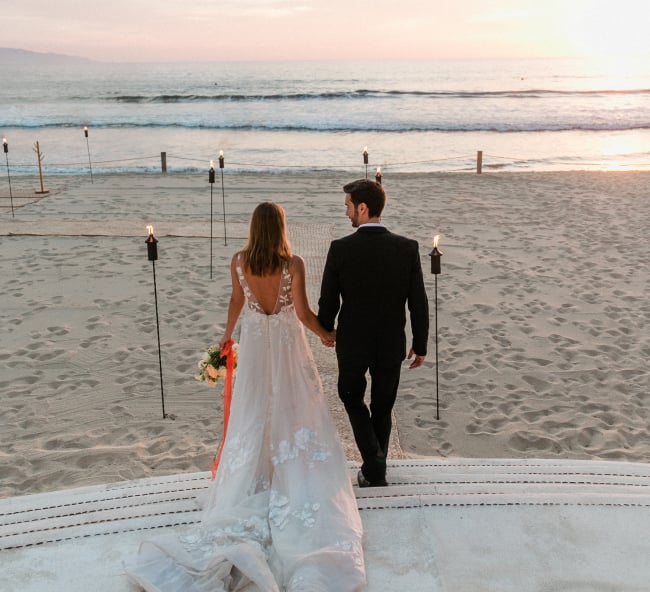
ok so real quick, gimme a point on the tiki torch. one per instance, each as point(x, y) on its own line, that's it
point(211, 181)
point(378, 175)
point(152, 254)
point(435, 270)
point(5, 145)
point(223, 198)
point(90, 164)
point(365, 159)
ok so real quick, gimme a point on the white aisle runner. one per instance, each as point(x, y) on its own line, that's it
point(442, 525)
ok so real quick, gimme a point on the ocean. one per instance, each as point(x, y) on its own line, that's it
point(524, 115)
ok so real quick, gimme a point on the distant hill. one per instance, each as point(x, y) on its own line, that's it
point(10, 55)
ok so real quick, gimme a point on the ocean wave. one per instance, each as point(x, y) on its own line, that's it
point(199, 98)
point(363, 94)
point(384, 127)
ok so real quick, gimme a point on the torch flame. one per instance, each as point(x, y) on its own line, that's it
point(4, 140)
point(220, 153)
point(85, 128)
point(212, 164)
point(365, 149)
point(435, 241)
point(150, 230)
point(379, 170)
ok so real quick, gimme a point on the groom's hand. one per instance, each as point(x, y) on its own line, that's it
point(329, 340)
point(417, 362)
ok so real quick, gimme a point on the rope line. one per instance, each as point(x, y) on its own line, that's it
point(470, 158)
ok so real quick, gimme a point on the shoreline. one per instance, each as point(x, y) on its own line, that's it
point(543, 317)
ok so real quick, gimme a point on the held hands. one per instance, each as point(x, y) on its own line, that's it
point(329, 339)
point(417, 362)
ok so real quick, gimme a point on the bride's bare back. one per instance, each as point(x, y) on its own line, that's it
point(265, 290)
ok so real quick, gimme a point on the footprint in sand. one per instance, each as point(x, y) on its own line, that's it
point(58, 331)
point(524, 442)
point(538, 384)
point(120, 356)
point(445, 449)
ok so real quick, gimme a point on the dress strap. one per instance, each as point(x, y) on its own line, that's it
point(253, 304)
point(285, 297)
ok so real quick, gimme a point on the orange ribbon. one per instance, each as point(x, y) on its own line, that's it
point(227, 398)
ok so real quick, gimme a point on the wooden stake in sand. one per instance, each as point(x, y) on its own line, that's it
point(40, 156)
point(435, 270)
point(365, 159)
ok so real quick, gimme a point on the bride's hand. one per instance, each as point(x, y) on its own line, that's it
point(223, 342)
point(329, 339)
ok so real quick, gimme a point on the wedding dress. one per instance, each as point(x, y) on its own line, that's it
point(281, 514)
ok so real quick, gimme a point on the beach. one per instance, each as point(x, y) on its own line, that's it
point(543, 316)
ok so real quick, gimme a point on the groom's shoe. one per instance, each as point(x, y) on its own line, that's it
point(363, 482)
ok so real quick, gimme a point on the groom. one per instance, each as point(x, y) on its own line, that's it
point(370, 277)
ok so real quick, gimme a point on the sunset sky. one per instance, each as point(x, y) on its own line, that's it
point(169, 30)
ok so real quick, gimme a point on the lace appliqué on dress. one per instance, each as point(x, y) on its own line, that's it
point(204, 542)
point(280, 511)
point(237, 454)
point(305, 441)
point(284, 299)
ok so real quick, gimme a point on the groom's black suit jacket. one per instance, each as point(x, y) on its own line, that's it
point(370, 277)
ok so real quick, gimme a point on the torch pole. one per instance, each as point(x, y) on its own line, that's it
point(210, 230)
point(152, 255)
point(223, 201)
point(435, 255)
point(155, 295)
point(223, 198)
point(5, 147)
point(436, 324)
point(211, 181)
point(11, 195)
point(90, 164)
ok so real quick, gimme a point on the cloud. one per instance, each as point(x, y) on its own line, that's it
point(265, 8)
point(502, 17)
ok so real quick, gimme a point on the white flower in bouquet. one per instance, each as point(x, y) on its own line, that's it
point(213, 365)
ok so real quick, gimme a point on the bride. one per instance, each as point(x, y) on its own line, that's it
point(281, 514)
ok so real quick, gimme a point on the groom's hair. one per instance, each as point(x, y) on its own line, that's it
point(369, 192)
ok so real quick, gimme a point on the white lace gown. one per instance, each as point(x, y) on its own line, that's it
point(281, 514)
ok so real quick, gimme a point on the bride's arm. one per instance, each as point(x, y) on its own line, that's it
point(301, 303)
point(237, 300)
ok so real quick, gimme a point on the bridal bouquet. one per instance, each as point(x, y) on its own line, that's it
point(214, 363)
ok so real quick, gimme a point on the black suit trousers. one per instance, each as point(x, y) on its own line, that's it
point(372, 424)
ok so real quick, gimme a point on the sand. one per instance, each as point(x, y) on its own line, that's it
point(543, 317)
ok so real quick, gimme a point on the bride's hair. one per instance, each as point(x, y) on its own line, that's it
point(268, 247)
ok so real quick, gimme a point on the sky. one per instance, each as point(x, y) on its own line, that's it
point(220, 30)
